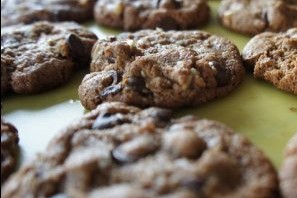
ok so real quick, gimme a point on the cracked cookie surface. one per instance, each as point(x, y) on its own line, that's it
point(253, 16)
point(148, 14)
point(288, 172)
point(156, 68)
point(29, 11)
point(122, 151)
point(273, 57)
point(42, 55)
point(9, 149)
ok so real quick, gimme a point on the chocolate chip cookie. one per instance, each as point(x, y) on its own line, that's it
point(273, 57)
point(149, 14)
point(255, 16)
point(29, 11)
point(123, 151)
point(9, 149)
point(42, 55)
point(157, 68)
point(288, 172)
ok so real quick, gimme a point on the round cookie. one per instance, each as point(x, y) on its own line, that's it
point(255, 16)
point(42, 55)
point(149, 14)
point(288, 172)
point(156, 68)
point(9, 149)
point(273, 57)
point(29, 11)
point(122, 151)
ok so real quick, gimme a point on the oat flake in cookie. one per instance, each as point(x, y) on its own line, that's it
point(9, 149)
point(149, 14)
point(122, 151)
point(273, 57)
point(29, 11)
point(288, 172)
point(256, 16)
point(42, 55)
point(156, 68)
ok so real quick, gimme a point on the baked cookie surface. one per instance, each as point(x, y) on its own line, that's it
point(29, 11)
point(148, 14)
point(288, 172)
point(123, 151)
point(253, 16)
point(42, 55)
point(9, 149)
point(157, 68)
point(273, 57)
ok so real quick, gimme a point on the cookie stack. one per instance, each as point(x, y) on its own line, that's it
point(130, 144)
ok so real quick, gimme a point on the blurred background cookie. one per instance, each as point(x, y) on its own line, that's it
point(149, 14)
point(256, 16)
point(29, 11)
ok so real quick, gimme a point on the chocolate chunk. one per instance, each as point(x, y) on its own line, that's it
point(111, 59)
point(171, 4)
point(194, 184)
point(107, 121)
point(222, 76)
point(162, 114)
point(76, 45)
point(111, 90)
point(136, 83)
point(168, 23)
point(134, 149)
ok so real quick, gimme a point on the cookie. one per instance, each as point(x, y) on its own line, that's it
point(288, 172)
point(9, 149)
point(273, 57)
point(255, 16)
point(42, 55)
point(148, 14)
point(123, 151)
point(29, 11)
point(157, 68)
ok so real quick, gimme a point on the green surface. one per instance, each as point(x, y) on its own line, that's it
point(256, 109)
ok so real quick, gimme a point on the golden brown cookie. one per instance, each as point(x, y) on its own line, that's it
point(161, 68)
point(273, 57)
point(42, 55)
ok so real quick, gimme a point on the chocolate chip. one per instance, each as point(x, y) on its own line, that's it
point(111, 90)
point(158, 3)
point(177, 3)
point(114, 88)
point(136, 83)
point(167, 23)
point(194, 184)
point(76, 45)
point(162, 114)
point(222, 76)
point(134, 149)
point(107, 121)
point(112, 38)
point(111, 59)
point(170, 4)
